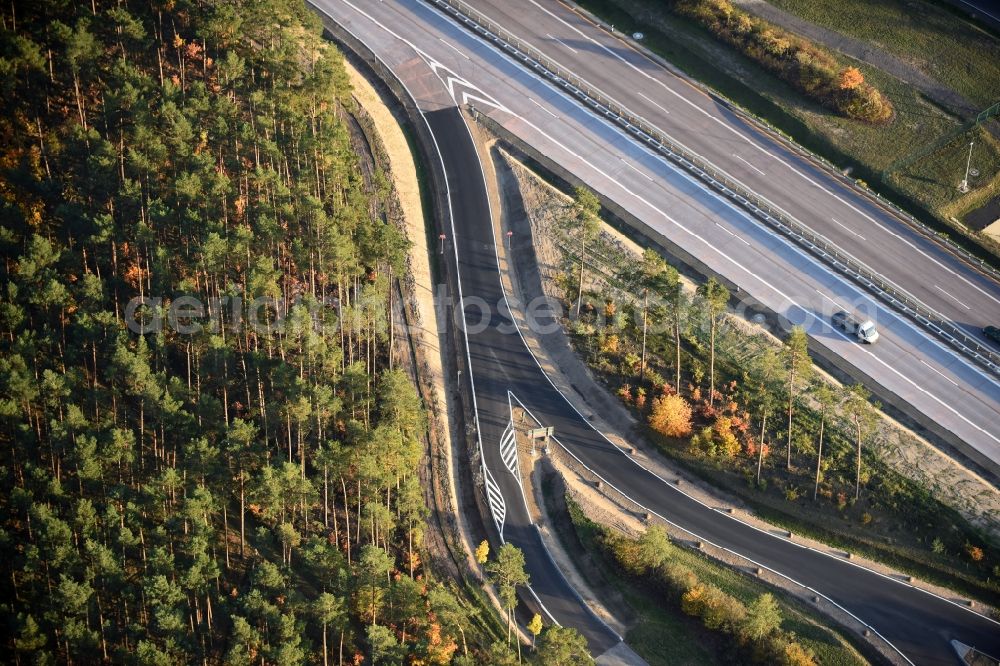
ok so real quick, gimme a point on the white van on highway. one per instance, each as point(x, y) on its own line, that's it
point(862, 330)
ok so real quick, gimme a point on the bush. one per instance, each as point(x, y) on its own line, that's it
point(648, 560)
point(655, 548)
point(678, 577)
point(782, 648)
point(975, 552)
point(671, 416)
point(809, 68)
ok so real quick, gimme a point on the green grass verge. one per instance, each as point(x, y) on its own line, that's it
point(890, 540)
point(943, 45)
point(660, 634)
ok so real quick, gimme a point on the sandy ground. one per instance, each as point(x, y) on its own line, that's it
point(543, 203)
point(425, 329)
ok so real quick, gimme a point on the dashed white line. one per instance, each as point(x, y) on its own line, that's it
point(952, 297)
point(628, 457)
point(453, 48)
point(641, 173)
point(653, 103)
point(749, 165)
point(683, 228)
point(562, 42)
point(848, 228)
point(839, 306)
point(939, 372)
point(543, 108)
point(736, 236)
point(762, 149)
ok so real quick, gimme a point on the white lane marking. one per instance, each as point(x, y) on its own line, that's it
point(888, 367)
point(749, 165)
point(839, 306)
point(952, 297)
point(453, 48)
point(980, 10)
point(645, 175)
point(562, 42)
point(681, 227)
point(992, 379)
point(847, 228)
point(629, 457)
point(496, 253)
point(543, 108)
point(755, 145)
point(670, 165)
point(653, 103)
point(939, 372)
point(734, 235)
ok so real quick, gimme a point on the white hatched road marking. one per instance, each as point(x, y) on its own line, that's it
point(508, 449)
point(491, 484)
point(498, 508)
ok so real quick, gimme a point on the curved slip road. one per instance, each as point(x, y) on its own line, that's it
point(917, 623)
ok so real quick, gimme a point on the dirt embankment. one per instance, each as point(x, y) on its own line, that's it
point(909, 454)
point(539, 210)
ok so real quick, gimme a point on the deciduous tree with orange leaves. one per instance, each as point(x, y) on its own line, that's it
point(850, 78)
point(671, 416)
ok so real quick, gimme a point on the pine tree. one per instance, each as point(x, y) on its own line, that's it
point(798, 365)
point(586, 207)
point(715, 299)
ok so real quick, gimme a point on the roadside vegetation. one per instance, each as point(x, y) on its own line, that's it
point(927, 186)
point(691, 609)
point(934, 37)
point(809, 68)
point(751, 416)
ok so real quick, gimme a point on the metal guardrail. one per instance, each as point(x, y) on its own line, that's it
point(788, 142)
point(762, 208)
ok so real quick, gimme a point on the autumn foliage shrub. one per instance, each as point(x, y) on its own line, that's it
point(755, 629)
point(671, 416)
point(807, 67)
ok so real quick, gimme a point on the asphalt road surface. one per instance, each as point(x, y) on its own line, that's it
point(764, 165)
point(908, 368)
point(918, 624)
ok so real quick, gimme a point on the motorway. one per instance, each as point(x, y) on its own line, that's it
point(764, 165)
point(444, 66)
